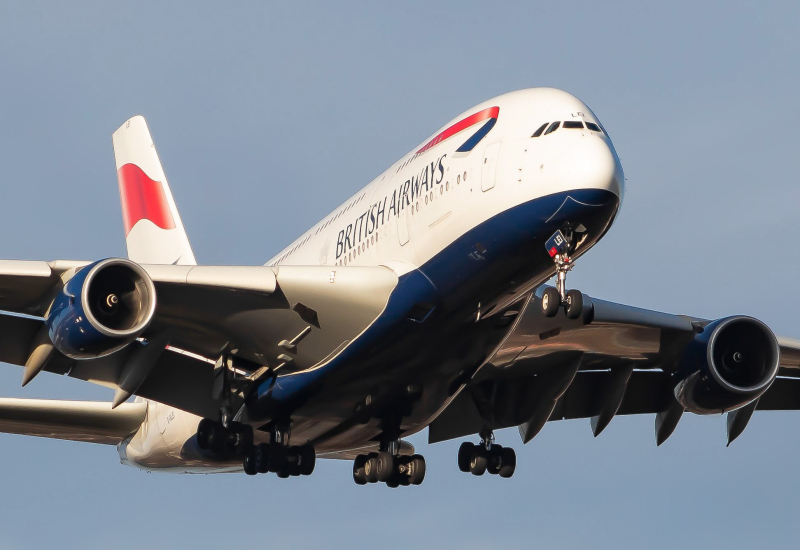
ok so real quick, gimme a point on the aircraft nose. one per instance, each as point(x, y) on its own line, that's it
point(592, 163)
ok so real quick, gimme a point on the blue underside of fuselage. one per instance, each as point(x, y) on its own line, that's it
point(476, 267)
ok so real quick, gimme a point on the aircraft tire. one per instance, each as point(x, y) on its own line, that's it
point(493, 462)
point(417, 467)
point(551, 301)
point(359, 476)
point(277, 459)
point(262, 458)
point(371, 467)
point(465, 456)
point(385, 466)
point(307, 459)
point(203, 433)
point(574, 304)
point(250, 462)
point(508, 462)
point(217, 437)
point(478, 461)
point(244, 440)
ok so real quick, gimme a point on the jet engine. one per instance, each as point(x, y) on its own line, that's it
point(101, 309)
point(729, 364)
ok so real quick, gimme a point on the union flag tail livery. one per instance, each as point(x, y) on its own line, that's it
point(154, 231)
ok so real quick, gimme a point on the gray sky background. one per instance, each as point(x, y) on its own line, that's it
point(267, 116)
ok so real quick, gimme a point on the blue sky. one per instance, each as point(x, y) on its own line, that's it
point(267, 116)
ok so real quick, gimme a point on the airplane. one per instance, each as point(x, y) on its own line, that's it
point(421, 302)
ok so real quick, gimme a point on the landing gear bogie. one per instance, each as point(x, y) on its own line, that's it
point(394, 471)
point(487, 457)
point(285, 461)
point(237, 438)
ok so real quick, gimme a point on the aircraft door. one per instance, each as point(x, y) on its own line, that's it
point(489, 165)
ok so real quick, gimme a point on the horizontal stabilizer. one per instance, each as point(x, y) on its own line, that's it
point(89, 421)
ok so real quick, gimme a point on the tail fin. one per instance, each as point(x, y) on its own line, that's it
point(153, 228)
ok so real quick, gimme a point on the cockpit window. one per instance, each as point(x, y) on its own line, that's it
point(538, 132)
point(593, 127)
point(573, 124)
point(553, 127)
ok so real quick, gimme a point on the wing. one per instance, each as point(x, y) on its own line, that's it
point(266, 318)
point(74, 420)
point(262, 319)
point(615, 360)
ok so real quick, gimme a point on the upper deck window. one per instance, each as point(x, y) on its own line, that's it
point(593, 127)
point(553, 127)
point(573, 124)
point(538, 132)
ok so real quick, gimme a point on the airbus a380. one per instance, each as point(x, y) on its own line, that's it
point(419, 303)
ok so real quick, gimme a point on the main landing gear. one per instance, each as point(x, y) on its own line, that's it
point(389, 467)
point(280, 458)
point(559, 247)
point(284, 460)
point(236, 438)
point(487, 457)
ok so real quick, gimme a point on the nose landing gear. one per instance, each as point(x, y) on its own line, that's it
point(559, 246)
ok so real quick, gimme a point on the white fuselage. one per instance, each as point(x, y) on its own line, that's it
point(460, 191)
point(424, 202)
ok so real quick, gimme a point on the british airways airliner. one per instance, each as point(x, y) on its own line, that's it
point(421, 302)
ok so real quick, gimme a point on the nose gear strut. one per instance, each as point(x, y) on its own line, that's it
point(559, 246)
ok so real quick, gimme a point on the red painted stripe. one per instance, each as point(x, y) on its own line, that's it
point(490, 112)
point(142, 199)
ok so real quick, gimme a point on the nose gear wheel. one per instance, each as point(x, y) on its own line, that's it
point(560, 246)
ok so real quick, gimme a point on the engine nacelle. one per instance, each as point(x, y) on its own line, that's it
point(728, 365)
point(101, 309)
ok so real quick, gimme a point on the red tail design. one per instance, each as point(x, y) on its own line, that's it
point(142, 198)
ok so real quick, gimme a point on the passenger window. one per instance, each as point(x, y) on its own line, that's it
point(538, 132)
point(593, 127)
point(573, 124)
point(553, 127)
